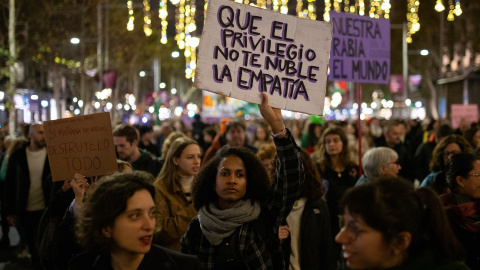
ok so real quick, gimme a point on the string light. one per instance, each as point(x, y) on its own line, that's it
point(147, 18)
point(458, 9)
point(336, 5)
point(439, 6)
point(413, 24)
point(361, 9)
point(450, 16)
point(312, 10)
point(347, 6)
point(299, 8)
point(131, 18)
point(162, 14)
point(326, 14)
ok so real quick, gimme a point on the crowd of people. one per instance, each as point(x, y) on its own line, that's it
point(268, 193)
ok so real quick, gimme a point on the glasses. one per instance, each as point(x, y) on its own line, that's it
point(475, 174)
point(394, 163)
point(351, 228)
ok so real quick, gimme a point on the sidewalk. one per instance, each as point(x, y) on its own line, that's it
point(8, 256)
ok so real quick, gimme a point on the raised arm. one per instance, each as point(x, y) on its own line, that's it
point(289, 175)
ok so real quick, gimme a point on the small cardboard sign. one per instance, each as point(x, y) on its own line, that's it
point(468, 112)
point(246, 50)
point(360, 49)
point(82, 144)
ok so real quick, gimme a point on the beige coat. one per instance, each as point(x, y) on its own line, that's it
point(174, 214)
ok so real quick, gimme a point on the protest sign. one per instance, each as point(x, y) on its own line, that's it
point(467, 112)
point(246, 50)
point(82, 144)
point(360, 49)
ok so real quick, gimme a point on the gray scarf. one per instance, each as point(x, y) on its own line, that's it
point(218, 224)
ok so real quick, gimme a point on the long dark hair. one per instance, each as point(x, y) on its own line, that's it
point(459, 165)
point(392, 206)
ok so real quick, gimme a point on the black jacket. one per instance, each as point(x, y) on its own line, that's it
point(316, 242)
point(146, 162)
point(18, 182)
point(157, 258)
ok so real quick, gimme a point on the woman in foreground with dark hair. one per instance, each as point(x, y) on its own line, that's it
point(462, 204)
point(239, 213)
point(387, 224)
point(116, 228)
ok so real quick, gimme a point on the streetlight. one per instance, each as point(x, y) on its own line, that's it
point(75, 40)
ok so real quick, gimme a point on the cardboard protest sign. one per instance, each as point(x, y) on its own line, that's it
point(246, 50)
point(360, 49)
point(468, 112)
point(82, 144)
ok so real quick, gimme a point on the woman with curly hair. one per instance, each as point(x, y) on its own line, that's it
point(116, 228)
point(239, 212)
point(308, 240)
point(338, 171)
point(447, 147)
point(173, 192)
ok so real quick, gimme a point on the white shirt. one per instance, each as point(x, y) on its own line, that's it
point(36, 161)
point(294, 223)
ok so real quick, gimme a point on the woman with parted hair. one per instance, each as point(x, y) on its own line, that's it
point(116, 228)
point(462, 204)
point(388, 224)
point(338, 171)
point(173, 192)
point(447, 147)
point(239, 210)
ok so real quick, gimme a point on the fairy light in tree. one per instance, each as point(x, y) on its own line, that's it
point(262, 4)
point(131, 18)
point(146, 18)
point(413, 24)
point(276, 4)
point(326, 14)
point(162, 14)
point(451, 7)
point(299, 7)
point(347, 6)
point(180, 25)
point(312, 10)
point(361, 7)
point(284, 6)
point(336, 5)
point(439, 7)
point(458, 9)
point(386, 8)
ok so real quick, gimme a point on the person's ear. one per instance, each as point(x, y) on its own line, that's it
point(382, 170)
point(175, 160)
point(135, 142)
point(460, 181)
point(107, 232)
point(402, 242)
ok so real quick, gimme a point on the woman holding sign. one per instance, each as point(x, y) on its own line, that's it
point(239, 211)
point(173, 189)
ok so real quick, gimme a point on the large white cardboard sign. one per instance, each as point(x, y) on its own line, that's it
point(246, 50)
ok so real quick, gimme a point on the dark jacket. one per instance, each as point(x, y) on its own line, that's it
point(426, 260)
point(157, 258)
point(257, 243)
point(422, 158)
point(147, 163)
point(18, 182)
point(316, 241)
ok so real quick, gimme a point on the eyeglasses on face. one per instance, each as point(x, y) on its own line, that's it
point(450, 153)
point(351, 228)
point(474, 174)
